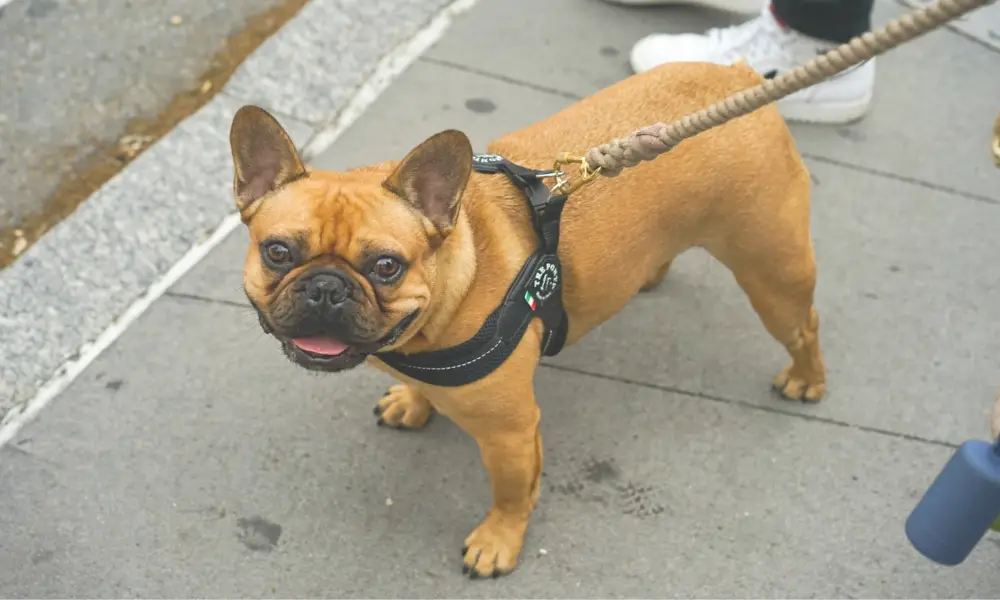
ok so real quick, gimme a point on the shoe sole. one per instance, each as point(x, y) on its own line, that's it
point(735, 6)
point(825, 113)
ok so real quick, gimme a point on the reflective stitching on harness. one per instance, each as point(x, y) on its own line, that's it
point(465, 364)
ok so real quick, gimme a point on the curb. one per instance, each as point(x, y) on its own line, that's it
point(71, 294)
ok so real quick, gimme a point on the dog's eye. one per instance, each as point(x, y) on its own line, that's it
point(387, 269)
point(277, 254)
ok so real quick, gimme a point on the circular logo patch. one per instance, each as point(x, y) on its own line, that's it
point(546, 280)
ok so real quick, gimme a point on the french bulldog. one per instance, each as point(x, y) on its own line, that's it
point(412, 255)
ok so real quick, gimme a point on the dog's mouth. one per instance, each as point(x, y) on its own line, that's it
point(322, 353)
point(326, 353)
point(320, 347)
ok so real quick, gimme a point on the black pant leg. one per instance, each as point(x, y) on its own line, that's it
point(832, 20)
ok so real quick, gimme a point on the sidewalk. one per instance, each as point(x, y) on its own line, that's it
point(192, 460)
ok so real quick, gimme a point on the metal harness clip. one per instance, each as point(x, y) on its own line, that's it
point(566, 186)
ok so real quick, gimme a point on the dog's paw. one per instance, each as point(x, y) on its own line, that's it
point(491, 550)
point(793, 387)
point(403, 408)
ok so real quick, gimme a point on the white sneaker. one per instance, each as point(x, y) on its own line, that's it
point(770, 48)
point(736, 6)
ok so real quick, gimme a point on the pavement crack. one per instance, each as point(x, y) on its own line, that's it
point(953, 28)
point(206, 299)
point(751, 406)
point(496, 76)
point(14, 448)
point(902, 178)
point(665, 388)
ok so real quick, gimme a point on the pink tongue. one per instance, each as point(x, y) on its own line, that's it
point(321, 345)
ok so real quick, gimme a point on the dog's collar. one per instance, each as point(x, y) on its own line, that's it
point(535, 292)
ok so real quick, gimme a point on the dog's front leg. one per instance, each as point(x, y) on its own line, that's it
point(506, 428)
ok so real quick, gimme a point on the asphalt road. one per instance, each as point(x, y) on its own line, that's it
point(74, 73)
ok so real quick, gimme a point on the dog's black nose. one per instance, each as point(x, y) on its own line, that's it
point(326, 289)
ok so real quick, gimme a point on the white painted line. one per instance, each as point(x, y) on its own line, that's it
point(14, 420)
point(387, 71)
point(389, 68)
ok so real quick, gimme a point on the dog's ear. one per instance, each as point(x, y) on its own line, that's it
point(433, 177)
point(264, 156)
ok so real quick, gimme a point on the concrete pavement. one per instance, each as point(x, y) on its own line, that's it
point(191, 459)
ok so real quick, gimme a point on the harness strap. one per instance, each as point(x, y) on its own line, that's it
point(535, 292)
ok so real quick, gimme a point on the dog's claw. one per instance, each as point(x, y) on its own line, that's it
point(491, 551)
point(378, 408)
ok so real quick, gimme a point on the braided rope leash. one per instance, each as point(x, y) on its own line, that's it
point(649, 142)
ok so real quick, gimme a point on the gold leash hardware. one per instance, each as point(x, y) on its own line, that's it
point(996, 141)
point(566, 186)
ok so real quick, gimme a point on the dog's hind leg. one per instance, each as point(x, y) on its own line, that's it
point(786, 309)
point(779, 276)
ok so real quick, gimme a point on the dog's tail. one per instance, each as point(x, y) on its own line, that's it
point(743, 65)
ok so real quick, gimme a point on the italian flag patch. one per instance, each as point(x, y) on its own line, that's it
point(530, 300)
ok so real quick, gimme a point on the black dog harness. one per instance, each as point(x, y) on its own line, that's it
point(536, 292)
